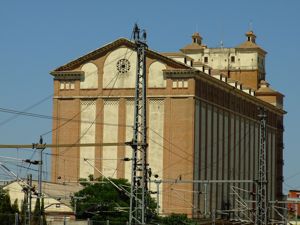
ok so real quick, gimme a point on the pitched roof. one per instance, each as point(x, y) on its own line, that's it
point(176, 54)
point(111, 46)
point(192, 47)
point(265, 89)
point(250, 43)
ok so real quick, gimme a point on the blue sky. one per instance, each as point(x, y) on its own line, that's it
point(38, 36)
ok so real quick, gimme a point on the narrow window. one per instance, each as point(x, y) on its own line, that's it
point(67, 85)
point(72, 84)
point(232, 59)
point(174, 84)
point(62, 85)
point(185, 60)
point(206, 59)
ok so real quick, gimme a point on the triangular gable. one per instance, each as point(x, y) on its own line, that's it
point(114, 45)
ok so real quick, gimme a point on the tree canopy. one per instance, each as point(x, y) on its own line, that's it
point(103, 201)
point(106, 200)
point(109, 200)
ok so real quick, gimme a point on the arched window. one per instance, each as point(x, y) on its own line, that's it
point(156, 77)
point(90, 78)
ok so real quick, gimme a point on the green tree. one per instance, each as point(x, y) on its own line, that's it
point(104, 201)
point(7, 210)
point(43, 212)
point(15, 206)
point(38, 211)
point(23, 210)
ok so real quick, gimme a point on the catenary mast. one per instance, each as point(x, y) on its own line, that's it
point(139, 176)
point(261, 193)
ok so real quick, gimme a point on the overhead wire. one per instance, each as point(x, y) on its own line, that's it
point(41, 116)
point(25, 110)
point(115, 78)
point(212, 163)
point(93, 122)
point(26, 113)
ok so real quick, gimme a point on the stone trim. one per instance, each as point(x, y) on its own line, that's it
point(67, 75)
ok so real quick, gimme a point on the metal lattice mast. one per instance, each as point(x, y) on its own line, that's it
point(261, 193)
point(139, 178)
point(27, 199)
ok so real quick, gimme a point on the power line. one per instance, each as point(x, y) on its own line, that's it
point(49, 96)
point(26, 109)
point(41, 116)
point(116, 76)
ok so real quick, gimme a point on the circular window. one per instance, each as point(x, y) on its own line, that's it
point(123, 66)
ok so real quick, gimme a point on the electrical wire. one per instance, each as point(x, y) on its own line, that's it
point(96, 117)
point(26, 113)
point(41, 116)
point(116, 76)
point(25, 110)
point(114, 80)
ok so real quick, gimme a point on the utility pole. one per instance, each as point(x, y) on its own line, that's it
point(28, 198)
point(40, 146)
point(139, 173)
point(261, 217)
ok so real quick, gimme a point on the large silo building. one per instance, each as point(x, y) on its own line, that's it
point(202, 112)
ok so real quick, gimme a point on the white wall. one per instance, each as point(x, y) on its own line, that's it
point(221, 58)
point(114, 79)
point(129, 136)
point(110, 135)
point(156, 141)
point(90, 78)
point(87, 135)
point(156, 77)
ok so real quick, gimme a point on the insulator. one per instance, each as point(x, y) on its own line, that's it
point(136, 32)
point(144, 35)
point(41, 139)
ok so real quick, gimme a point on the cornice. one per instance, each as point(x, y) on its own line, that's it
point(109, 47)
point(67, 75)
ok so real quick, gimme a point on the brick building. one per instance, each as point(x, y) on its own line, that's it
point(202, 120)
